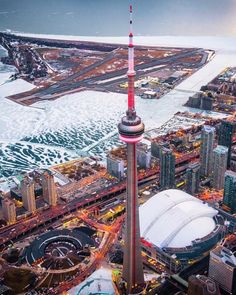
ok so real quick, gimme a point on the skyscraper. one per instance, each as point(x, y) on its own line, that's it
point(156, 148)
point(226, 132)
point(206, 151)
point(49, 188)
point(193, 178)
point(220, 156)
point(167, 168)
point(233, 159)
point(28, 196)
point(143, 156)
point(202, 285)
point(131, 130)
point(222, 268)
point(229, 198)
point(115, 167)
point(9, 211)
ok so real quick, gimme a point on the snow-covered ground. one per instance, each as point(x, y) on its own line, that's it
point(5, 73)
point(208, 42)
point(209, 71)
point(3, 52)
point(76, 122)
point(5, 70)
point(100, 282)
point(179, 122)
point(9, 87)
point(15, 120)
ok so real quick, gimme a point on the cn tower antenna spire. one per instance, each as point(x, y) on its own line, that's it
point(131, 72)
point(131, 19)
point(131, 131)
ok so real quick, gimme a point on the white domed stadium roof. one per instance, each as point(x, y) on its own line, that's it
point(173, 218)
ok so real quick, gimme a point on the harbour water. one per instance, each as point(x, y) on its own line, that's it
point(109, 17)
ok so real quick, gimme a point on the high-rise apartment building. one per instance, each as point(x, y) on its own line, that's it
point(143, 156)
point(229, 198)
point(193, 178)
point(220, 156)
point(9, 211)
point(202, 285)
point(233, 159)
point(156, 148)
point(28, 195)
point(167, 169)
point(206, 151)
point(226, 133)
point(49, 188)
point(115, 167)
point(222, 268)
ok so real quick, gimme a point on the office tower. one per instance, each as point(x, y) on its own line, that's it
point(220, 156)
point(9, 211)
point(229, 198)
point(233, 159)
point(115, 167)
point(49, 188)
point(222, 268)
point(202, 285)
point(193, 178)
point(156, 148)
point(206, 103)
point(131, 130)
point(226, 133)
point(143, 156)
point(167, 169)
point(206, 151)
point(28, 196)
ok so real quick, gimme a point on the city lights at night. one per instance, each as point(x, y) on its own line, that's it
point(118, 147)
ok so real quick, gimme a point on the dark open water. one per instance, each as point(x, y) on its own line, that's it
point(109, 17)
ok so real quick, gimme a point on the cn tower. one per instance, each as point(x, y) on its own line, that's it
point(131, 130)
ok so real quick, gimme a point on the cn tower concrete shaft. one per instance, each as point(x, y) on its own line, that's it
point(131, 131)
point(132, 266)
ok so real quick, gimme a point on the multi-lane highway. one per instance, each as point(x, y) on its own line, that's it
point(24, 227)
point(80, 200)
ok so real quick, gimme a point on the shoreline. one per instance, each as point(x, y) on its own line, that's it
point(163, 40)
point(155, 113)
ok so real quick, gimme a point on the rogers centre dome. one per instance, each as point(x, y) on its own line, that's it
point(175, 219)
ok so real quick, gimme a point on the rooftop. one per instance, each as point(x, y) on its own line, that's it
point(173, 218)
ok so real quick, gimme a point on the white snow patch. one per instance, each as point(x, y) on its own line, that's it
point(6, 185)
point(15, 120)
point(150, 276)
point(89, 107)
point(4, 77)
point(110, 80)
point(3, 51)
point(15, 87)
point(208, 42)
point(5, 72)
point(99, 282)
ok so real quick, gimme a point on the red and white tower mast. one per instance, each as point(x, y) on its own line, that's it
point(131, 131)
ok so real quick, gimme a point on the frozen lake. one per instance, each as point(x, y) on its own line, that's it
point(52, 132)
